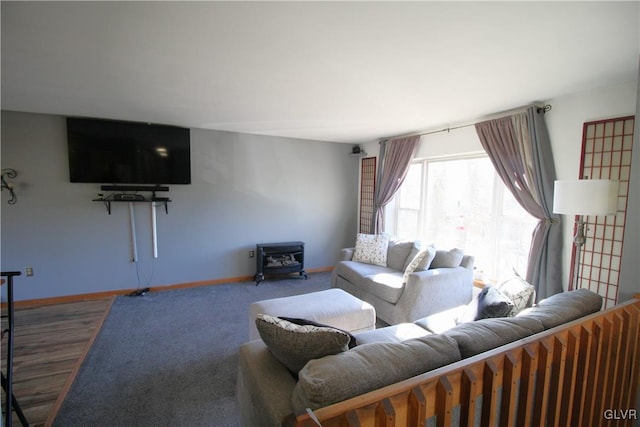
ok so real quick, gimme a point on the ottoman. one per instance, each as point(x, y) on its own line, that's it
point(333, 307)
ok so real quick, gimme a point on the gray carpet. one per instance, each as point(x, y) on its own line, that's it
point(170, 358)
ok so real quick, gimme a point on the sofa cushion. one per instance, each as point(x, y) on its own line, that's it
point(395, 333)
point(520, 292)
point(354, 271)
point(564, 307)
point(294, 345)
point(489, 303)
point(371, 249)
point(441, 321)
point(447, 259)
point(477, 337)
point(368, 367)
point(397, 253)
point(386, 286)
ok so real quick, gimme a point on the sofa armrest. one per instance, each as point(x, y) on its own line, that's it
point(263, 387)
point(346, 254)
point(432, 291)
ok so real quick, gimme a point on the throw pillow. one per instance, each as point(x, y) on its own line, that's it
point(371, 249)
point(397, 253)
point(447, 259)
point(295, 345)
point(520, 292)
point(426, 262)
point(415, 248)
point(422, 258)
point(302, 322)
point(489, 303)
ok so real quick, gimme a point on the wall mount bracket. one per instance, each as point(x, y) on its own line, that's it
point(129, 193)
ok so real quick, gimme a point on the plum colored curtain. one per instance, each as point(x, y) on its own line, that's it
point(520, 149)
point(393, 165)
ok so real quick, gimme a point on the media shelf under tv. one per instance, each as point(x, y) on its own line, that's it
point(130, 194)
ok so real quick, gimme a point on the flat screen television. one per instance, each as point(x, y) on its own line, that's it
point(120, 152)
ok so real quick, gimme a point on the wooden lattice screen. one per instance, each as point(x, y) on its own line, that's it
point(606, 154)
point(367, 193)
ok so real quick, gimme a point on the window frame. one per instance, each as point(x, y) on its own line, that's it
point(394, 209)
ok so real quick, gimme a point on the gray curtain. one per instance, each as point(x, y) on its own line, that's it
point(520, 150)
point(393, 165)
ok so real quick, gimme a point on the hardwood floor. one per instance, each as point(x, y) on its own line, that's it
point(50, 342)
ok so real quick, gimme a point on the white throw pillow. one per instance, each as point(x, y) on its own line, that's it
point(371, 249)
point(425, 264)
point(519, 291)
point(426, 255)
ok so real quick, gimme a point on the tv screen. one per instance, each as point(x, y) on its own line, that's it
point(118, 152)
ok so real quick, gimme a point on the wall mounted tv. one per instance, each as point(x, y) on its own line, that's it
point(119, 152)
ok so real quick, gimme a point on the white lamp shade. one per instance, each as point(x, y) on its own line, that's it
point(585, 197)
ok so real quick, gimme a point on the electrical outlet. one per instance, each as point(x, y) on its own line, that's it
point(252, 254)
point(28, 271)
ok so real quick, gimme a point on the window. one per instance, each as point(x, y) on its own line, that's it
point(461, 202)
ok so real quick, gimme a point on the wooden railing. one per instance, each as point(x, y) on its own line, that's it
point(583, 373)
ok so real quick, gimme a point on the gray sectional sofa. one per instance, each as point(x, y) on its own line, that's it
point(444, 280)
point(267, 392)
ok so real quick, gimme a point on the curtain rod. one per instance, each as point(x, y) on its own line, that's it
point(545, 108)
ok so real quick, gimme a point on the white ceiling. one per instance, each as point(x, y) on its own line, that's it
point(336, 71)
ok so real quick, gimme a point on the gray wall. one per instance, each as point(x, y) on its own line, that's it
point(630, 268)
point(245, 189)
point(565, 122)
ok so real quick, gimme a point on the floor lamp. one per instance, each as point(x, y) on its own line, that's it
point(584, 197)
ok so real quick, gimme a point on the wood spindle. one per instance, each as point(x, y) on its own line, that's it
point(352, 419)
point(444, 399)
point(634, 356)
point(594, 369)
point(556, 381)
point(570, 378)
point(511, 376)
point(417, 409)
point(541, 397)
point(468, 398)
point(489, 394)
point(386, 413)
point(615, 367)
point(527, 386)
point(603, 373)
point(580, 394)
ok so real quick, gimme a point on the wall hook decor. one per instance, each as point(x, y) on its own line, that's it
point(9, 173)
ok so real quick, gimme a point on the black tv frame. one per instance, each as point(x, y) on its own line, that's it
point(103, 151)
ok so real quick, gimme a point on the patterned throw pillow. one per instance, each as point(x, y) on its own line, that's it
point(426, 262)
point(294, 345)
point(302, 322)
point(422, 258)
point(519, 291)
point(371, 249)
